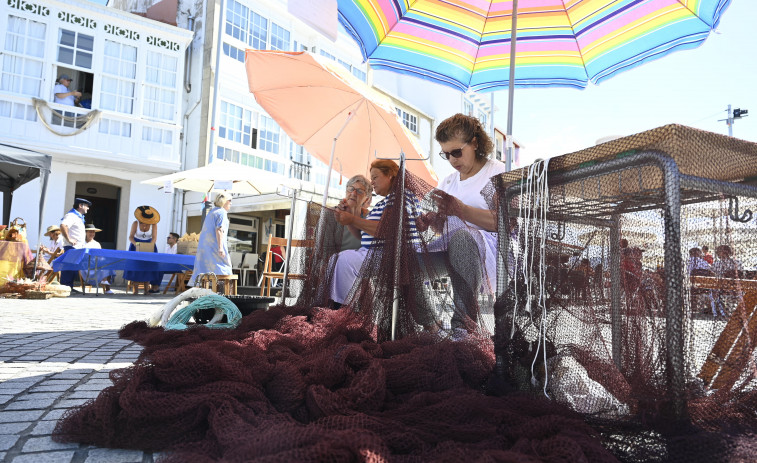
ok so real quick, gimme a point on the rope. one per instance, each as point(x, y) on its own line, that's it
point(180, 318)
point(88, 118)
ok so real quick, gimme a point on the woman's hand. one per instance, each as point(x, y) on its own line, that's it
point(221, 253)
point(447, 205)
point(344, 217)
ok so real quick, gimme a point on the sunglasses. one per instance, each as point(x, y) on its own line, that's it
point(454, 153)
point(352, 189)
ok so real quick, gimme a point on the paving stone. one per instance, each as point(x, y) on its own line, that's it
point(18, 416)
point(70, 403)
point(114, 456)
point(50, 457)
point(30, 404)
point(7, 441)
point(14, 428)
point(51, 388)
point(5, 398)
point(55, 414)
point(44, 428)
point(45, 443)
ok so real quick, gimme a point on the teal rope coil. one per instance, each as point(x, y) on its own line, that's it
point(179, 319)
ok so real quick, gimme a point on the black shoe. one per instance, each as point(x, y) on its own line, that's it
point(154, 291)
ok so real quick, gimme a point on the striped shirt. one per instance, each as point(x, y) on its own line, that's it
point(411, 209)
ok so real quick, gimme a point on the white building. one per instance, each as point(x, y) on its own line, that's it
point(130, 69)
point(229, 124)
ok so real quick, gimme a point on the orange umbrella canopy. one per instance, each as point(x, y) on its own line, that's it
point(315, 101)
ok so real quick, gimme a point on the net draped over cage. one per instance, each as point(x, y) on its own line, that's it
point(565, 344)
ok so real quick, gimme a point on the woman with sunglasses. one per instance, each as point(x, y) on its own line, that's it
point(470, 224)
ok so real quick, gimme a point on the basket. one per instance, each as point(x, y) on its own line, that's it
point(59, 290)
point(35, 294)
point(11, 287)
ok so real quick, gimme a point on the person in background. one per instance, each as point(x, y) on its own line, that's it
point(726, 266)
point(72, 230)
point(145, 230)
point(212, 249)
point(707, 256)
point(53, 243)
point(101, 277)
point(171, 243)
point(359, 192)
point(697, 265)
point(62, 93)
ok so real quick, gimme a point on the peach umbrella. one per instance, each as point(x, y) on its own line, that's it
point(336, 117)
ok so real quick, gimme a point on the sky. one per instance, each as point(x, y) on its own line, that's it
point(688, 87)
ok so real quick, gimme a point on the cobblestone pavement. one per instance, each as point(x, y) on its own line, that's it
point(56, 354)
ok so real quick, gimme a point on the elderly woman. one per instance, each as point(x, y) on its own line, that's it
point(359, 192)
point(144, 230)
point(212, 250)
point(383, 174)
point(470, 239)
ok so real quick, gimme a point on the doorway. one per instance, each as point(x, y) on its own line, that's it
point(103, 213)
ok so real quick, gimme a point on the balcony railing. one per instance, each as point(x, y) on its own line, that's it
point(110, 136)
point(299, 170)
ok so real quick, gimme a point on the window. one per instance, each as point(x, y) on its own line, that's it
point(467, 108)
point(250, 160)
point(410, 120)
point(233, 52)
point(258, 31)
point(482, 117)
point(328, 55)
point(111, 127)
point(235, 123)
point(75, 48)
point(119, 74)
point(21, 72)
point(253, 29)
point(279, 38)
point(156, 135)
point(346, 65)
point(160, 86)
point(359, 74)
point(18, 111)
point(269, 135)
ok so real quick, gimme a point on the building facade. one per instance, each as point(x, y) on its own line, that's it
point(126, 125)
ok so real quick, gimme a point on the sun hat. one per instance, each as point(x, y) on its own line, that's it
point(51, 229)
point(91, 227)
point(147, 214)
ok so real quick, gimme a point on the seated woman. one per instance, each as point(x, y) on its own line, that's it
point(144, 230)
point(99, 277)
point(357, 201)
point(383, 174)
point(469, 240)
point(212, 249)
point(53, 245)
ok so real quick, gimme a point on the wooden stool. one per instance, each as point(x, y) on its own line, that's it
point(179, 281)
point(229, 283)
point(133, 286)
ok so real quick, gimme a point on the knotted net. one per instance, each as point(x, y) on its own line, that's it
point(303, 382)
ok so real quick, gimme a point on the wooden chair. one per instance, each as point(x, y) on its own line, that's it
point(50, 275)
point(211, 282)
point(268, 273)
point(179, 281)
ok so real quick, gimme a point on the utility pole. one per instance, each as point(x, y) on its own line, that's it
point(733, 115)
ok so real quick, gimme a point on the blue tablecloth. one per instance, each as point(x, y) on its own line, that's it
point(91, 259)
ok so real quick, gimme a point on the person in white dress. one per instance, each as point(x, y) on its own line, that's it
point(469, 235)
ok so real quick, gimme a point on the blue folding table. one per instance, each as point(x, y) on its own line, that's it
point(99, 259)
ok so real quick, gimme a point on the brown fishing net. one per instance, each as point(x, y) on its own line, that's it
point(630, 322)
point(601, 345)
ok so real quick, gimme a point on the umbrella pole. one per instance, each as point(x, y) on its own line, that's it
point(289, 247)
point(511, 88)
point(333, 150)
point(398, 252)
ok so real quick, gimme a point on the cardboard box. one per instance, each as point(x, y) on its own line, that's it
point(186, 247)
point(145, 247)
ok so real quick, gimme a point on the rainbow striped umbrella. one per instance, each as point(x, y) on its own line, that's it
point(566, 43)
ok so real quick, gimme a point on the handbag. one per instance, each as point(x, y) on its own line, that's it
point(16, 231)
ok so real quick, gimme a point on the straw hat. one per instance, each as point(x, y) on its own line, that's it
point(147, 214)
point(52, 228)
point(91, 227)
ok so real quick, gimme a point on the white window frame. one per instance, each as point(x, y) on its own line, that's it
point(235, 123)
point(159, 94)
point(119, 80)
point(23, 57)
point(269, 135)
point(409, 120)
point(77, 50)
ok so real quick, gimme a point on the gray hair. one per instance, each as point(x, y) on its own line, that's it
point(361, 179)
point(221, 199)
